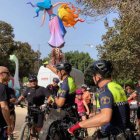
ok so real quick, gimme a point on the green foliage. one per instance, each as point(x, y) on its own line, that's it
point(28, 59)
point(79, 60)
point(121, 43)
point(25, 79)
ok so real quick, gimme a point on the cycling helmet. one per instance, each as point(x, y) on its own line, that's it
point(32, 78)
point(64, 66)
point(103, 67)
point(56, 80)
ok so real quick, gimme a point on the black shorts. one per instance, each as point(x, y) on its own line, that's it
point(3, 134)
point(38, 120)
point(138, 113)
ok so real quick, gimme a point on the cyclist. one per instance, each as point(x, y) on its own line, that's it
point(35, 95)
point(4, 109)
point(65, 96)
point(53, 88)
point(114, 115)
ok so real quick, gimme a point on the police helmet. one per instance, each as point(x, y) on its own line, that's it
point(64, 66)
point(102, 67)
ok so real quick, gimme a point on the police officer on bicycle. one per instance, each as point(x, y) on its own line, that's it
point(35, 95)
point(114, 115)
point(65, 96)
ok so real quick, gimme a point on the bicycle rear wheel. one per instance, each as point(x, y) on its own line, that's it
point(25, 132)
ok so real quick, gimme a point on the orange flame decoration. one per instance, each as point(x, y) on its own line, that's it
point(69, 15)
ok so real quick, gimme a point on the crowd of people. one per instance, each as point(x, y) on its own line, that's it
point(111, 102)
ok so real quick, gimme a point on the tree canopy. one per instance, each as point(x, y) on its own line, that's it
point(8, 46)
point(121, 43)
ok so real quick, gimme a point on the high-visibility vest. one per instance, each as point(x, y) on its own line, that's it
point(71, 84)
point(118, 93)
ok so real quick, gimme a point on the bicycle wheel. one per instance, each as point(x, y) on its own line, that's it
point(55, 133)
point(25, 132)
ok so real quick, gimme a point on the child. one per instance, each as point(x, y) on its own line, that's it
point(82, 107)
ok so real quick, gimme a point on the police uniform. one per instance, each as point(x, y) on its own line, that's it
point(113, 96)
point(67, 91)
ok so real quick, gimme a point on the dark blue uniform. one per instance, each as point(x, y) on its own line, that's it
point(114, 98)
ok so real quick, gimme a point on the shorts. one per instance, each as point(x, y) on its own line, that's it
point(82, 114)
point(38, 120)
point(138, 113)
point(3, 134)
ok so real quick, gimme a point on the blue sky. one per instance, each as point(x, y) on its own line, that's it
point(27, 29)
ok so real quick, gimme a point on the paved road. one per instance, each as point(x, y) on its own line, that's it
point(20, 118)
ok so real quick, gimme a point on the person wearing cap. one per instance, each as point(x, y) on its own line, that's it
point(82, 107)
point(35, 95)
point(4, 101)
point(53, 88)
point(63, 100)
point(114, 114)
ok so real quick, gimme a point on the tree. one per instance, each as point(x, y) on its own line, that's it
point(78, 60)
point(6, 42)
point(121, 43)
point(28, 58)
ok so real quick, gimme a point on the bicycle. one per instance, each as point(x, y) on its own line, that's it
point(59, 122)
point(28, 128)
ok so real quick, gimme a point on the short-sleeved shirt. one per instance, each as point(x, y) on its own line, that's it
point(80, 105)
point(63, 92)
point(10, 94)
point(120, 114)
point(3, 98)
point(36, 95)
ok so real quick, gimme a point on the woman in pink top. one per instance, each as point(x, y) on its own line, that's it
point(82, 107)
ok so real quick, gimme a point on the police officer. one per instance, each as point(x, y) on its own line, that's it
point(35, 95)
point(114, 115)
point(64, 99)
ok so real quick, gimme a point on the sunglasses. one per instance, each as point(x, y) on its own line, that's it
point(6, 73)
point(32, 81)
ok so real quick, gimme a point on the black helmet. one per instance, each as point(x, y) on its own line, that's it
point(103, 67)
point(56, 80)
point(64, 66)
point(32, 78)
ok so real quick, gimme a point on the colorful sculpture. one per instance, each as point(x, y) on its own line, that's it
point(69, 15)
